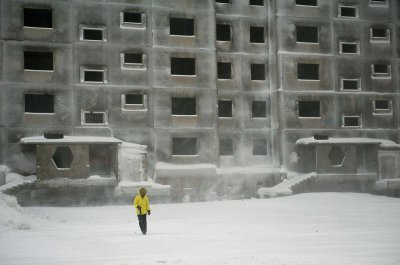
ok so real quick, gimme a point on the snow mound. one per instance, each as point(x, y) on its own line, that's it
point(12, 215)
point(14, 180)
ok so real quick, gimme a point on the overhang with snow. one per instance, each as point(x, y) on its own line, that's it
point(70, 140)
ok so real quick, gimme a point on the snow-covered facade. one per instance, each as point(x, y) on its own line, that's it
point(223, 93)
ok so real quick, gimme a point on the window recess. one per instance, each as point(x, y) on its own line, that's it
point(38, 18)
point(38, 61)
point(94, 118)
point(181, 26)
point(184, 146)
point(134, 102)
point(39, 103)
point(133, 60)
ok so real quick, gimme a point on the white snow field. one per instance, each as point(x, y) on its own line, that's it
point(315, 228)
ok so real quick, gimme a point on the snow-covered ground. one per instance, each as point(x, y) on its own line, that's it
point(318, 228)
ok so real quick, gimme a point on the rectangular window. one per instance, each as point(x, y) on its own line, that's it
point(348, 11)
point(307, 71)
point(381, 71)
point(257, 35)
point(257, 71)
point(90, 75)
point(379, 2)
point(134, 101)
point(260, 147)
point(223, 1)
point(309, 109)
point(258, 109)
point(183, 106)
point(349, 48)
point(379, 35)
point(93, 33)
point(307, 2)
point(351, 121)
point(183, 66)
point(223, 32)
point(256, 2)
point(350, 84)
point(38, 18)
point(184, 146)
point(181, 26)
point(133, 60)
point(224, 70)
point(225, 147)
point(39, 103)
point(132, 17)
point(382, 106)
point(225, 108)
point(95, 117)
point(307, 34)
point(38, 61)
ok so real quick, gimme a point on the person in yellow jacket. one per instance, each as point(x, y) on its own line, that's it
point(142, 206)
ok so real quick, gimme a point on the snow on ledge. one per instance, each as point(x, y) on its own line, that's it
point(189, 170)
point(349, 140)
point(70, 140)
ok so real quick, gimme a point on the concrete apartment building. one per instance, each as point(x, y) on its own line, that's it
point(225, 95)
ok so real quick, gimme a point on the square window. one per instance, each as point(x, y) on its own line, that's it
point(348, 11)
point(350, 84)
point(256, 2)
point(382, 106)
point(379, 35)
point(307, 2)
point(92, 33)
point(225, 147)
point(260, 147)
point(184, 146)
point(258, 109)
point(183, 106)
point(223, 32)
point(381, 71)
point(133, 60)
point(309, 109)
point(224, 70)
point(257, 35)
point(225, 108)
point(307, 34)
point(181, 26)
point(38, 18)
point(308, 71)
point(39, 103)
point(183, 66)
point(38, 61)
point(93, 75)
point(349, 48)
point(94, 118)
point(257, 71)
point(351, 121)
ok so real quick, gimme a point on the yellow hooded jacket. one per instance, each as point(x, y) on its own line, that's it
point(143, 202)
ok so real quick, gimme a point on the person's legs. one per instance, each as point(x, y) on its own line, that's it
point(142, 223)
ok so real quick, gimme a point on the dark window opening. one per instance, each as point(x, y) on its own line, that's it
point(184, 146)
point(348, 11)
point(336, 156)
point(38, 18)
point(350, 84)
point(349, 48)
point(42, 61)
point(381, 104)
point(351, 121)
point(309, 109)
point(257, 35)
point(183, 106)
point(307, 34)
point(225, 147)
point(223, 1)
point(225, 108)
point(260, 147)
point(307, 71)
point(224, 70)
point(134, 99)
point(133, 58)
point(256, 2)
point(258, 109)
point(183, 66)
point(63, 157)
point(379, 1)
point(181, 26)
point(39, 103)
point(100, 160)
point(94, 117)
point(381, 69)
point(93, 76)
point(223, 32)
point(131, 17)
point(307, 2)
point(93, 34)
point(379, 33)
point(257, 71)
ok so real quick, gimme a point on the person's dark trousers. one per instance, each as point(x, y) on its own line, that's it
point(143, 223)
